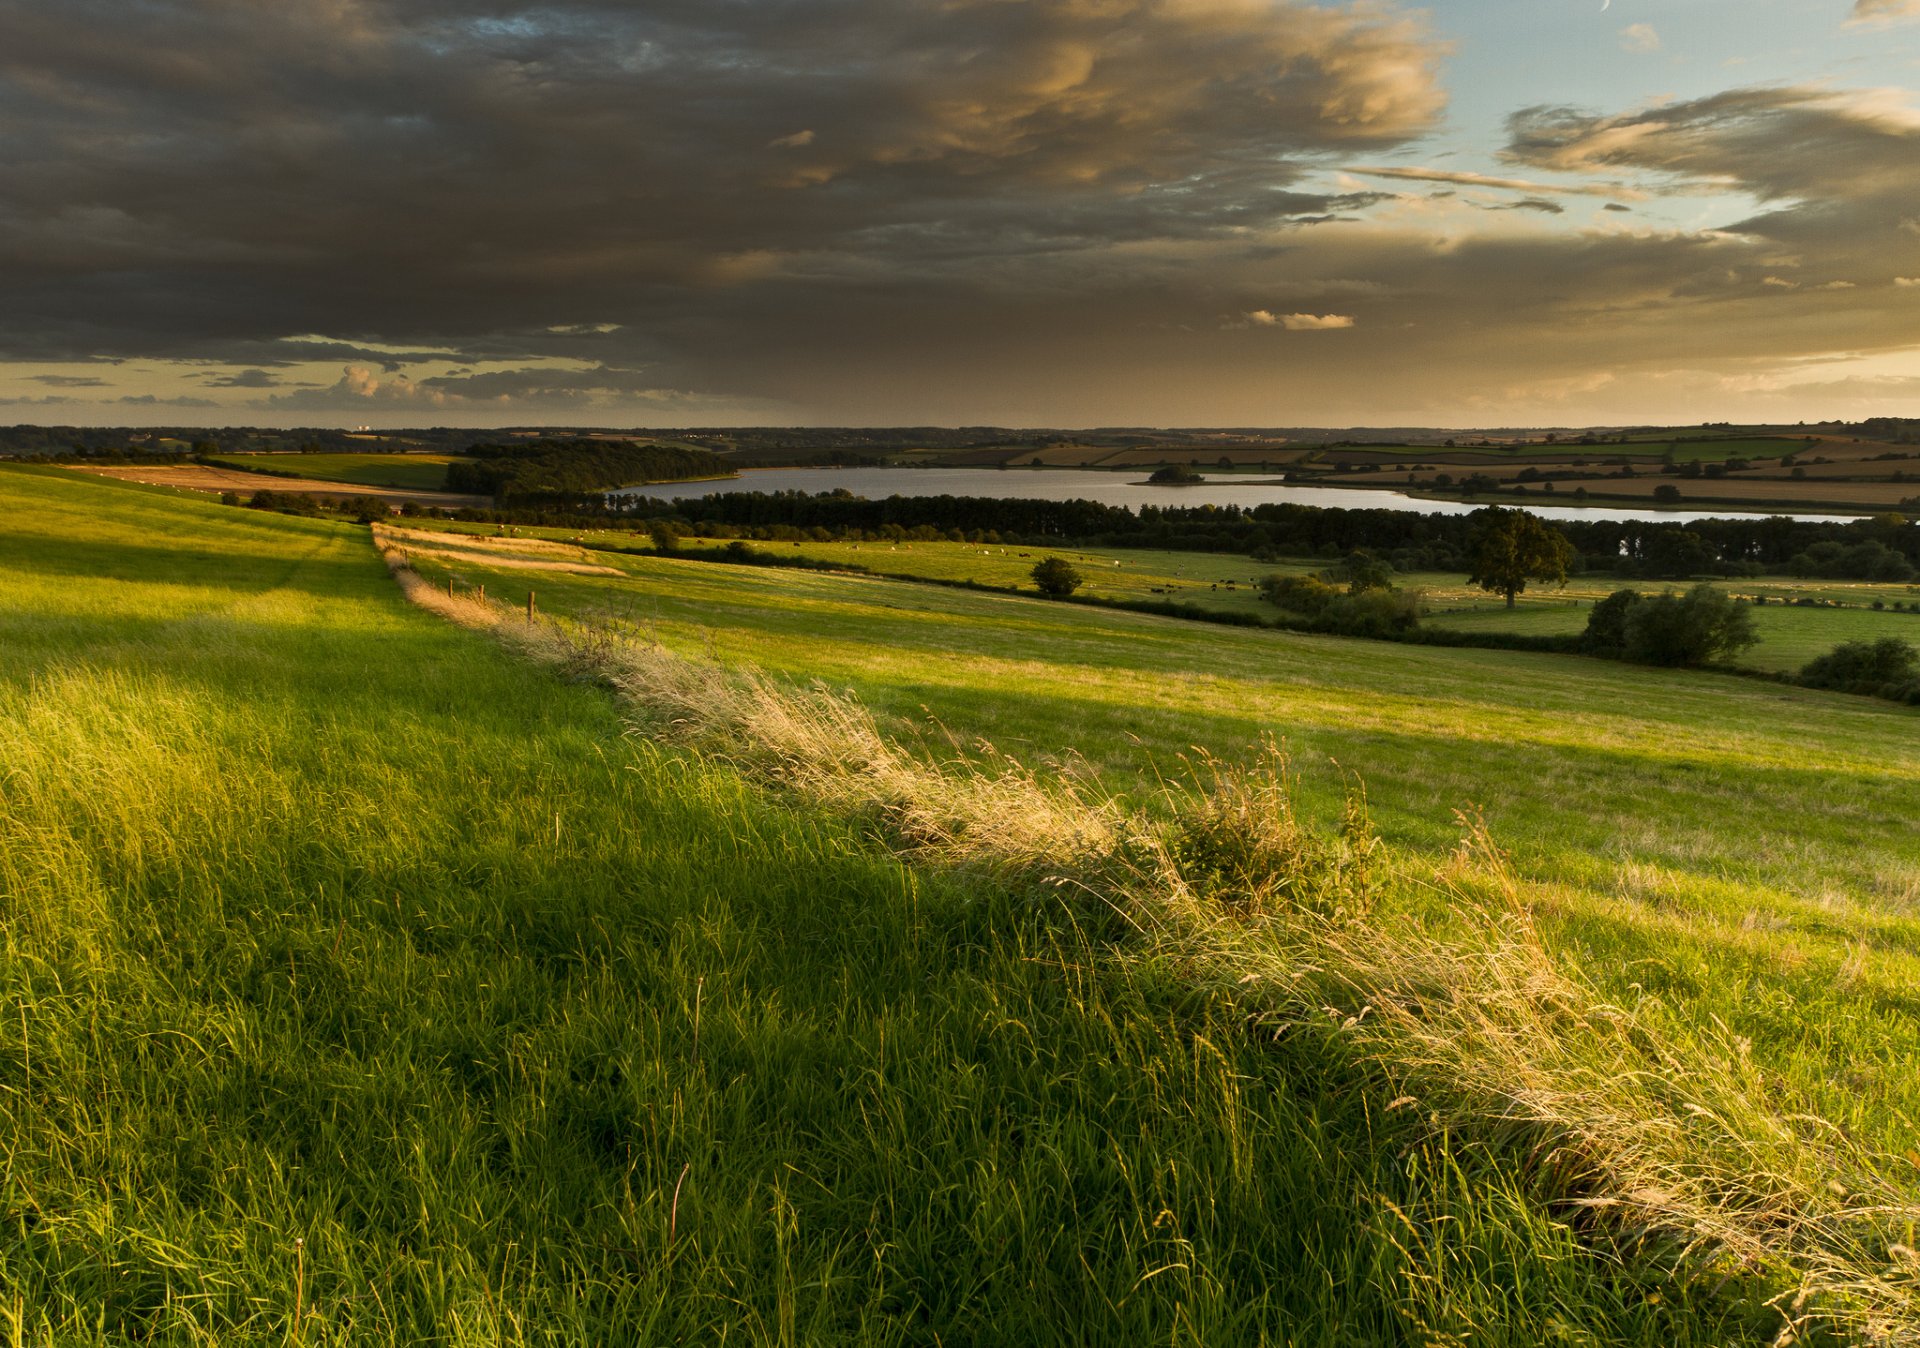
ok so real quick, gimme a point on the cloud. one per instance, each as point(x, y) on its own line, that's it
point(1776, 143)
point(1038, 212)
point(362, 390)
point(68, 380)
point(1878, 12)
point(1639, 38)
point(1314, 322)
point(154, 400)
point(1432, 175)
point(1906, 282)
point(1540, 204)
point(415, 172)
point(244, 379)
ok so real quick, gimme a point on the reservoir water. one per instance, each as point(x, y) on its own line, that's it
point(1124, 489)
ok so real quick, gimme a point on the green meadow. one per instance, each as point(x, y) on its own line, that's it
point(402, 472)
point(1790, 633)
point(370, 982)
point(1742, 842)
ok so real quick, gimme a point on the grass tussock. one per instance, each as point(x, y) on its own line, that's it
point(1646, 1129)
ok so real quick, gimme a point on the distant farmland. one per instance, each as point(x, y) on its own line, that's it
point(407, 472)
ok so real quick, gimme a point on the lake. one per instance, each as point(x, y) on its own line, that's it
point(1121, 489)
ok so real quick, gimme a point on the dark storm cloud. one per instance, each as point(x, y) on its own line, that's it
point(196, 178)
point(245, 379)
point(1540, 204)
point(1838, 173)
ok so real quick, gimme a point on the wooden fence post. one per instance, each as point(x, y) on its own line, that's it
point(529, 605)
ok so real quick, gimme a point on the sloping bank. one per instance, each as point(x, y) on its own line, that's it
point(1655, 1146)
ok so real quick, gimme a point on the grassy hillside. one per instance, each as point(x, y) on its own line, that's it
point(1790, 634)
point(1745, 848)
point(406, 472)
point(368, 983)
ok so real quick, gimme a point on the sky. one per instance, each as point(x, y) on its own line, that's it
point(958, 212)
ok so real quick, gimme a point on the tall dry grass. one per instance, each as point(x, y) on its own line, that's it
point(1646, 1128)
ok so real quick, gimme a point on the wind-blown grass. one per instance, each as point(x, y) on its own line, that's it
point(1627, 1109)
point(366, 983)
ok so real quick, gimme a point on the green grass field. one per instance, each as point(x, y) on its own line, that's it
point(1790, 635)
point(367, 982)
point(1677, 817)
point(403, 472)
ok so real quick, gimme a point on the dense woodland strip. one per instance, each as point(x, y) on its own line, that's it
point(545, 468)
point(1413, 541)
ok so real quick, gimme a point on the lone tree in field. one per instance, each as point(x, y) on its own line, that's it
point(1512, 548)
point(1056, 577)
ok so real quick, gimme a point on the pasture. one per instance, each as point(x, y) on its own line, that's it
point(366, 983)
point(369, 982)
point(408, 472)
point(1792, 632)
point(1734, 842)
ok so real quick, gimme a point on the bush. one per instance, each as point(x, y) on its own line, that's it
point(1360, 572)
point(1307, 595)
point(1889, 667)
point(1606, 632)
point(1056, 577)
point(1701, 626)
point(1377, 612)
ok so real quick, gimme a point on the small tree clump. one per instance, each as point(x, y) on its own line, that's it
point(1889, 668)
point(1056, 577)
point(1175, 475)
point(665, 537)
point(1699, 627)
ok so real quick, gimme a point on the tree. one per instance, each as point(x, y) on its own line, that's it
point(1362, 571)
point(665, 537)
point(1175, 474)
point(1703, 625)
point(1606, 632)
point(1512, 548)
point(1057, 577)
point(1865, 666)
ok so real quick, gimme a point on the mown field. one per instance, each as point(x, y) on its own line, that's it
point(403, 472)
point(368, 982)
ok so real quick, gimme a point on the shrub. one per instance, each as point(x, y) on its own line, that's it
point(1606, 632)
point(1056, 577)
point(1375, 612)
point(1889, 667)
point(1703, 625)
point(1307, 595)
point(1700, 626)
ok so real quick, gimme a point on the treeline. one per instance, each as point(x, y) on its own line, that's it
point(574, 472)
point(153, 444)
point(1876, 548)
